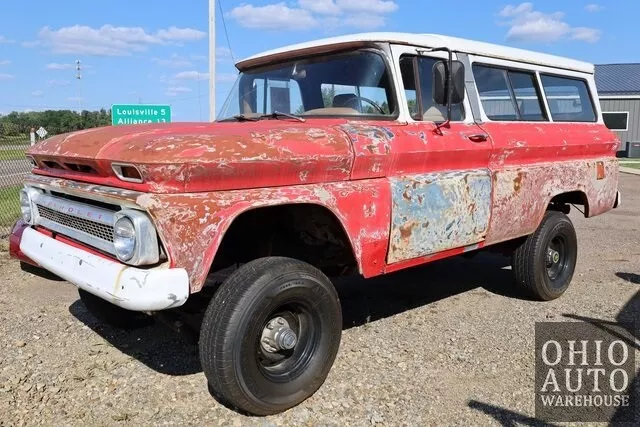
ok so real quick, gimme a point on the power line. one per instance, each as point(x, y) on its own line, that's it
point(226, 33)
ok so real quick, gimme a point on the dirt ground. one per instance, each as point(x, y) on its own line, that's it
point(448, 343)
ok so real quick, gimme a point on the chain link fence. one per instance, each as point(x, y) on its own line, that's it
point(13, 168)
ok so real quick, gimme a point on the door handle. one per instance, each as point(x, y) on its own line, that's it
point(478, 137)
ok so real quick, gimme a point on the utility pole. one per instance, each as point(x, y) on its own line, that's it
point(79, 78)
point(212, 60)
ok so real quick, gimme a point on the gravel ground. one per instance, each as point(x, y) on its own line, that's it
point(448, 343)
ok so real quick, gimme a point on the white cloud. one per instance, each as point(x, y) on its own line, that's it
point(590, 35)
point(174, 61)
point(4, 40)
point(56, 66)
point(30, 44)
point(5, 62)
point(273, 17)
point(191, 75)
point(527, 24)
point(60, 83)
point(5, 77)
point(109, 40)
point(181, 34)
point(323, 7)
point(311, 14)
point(37, 93)
point(593, 8)
point(368, 6)
point(177, 90)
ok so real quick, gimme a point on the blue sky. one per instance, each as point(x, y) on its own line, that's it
point(156, 51)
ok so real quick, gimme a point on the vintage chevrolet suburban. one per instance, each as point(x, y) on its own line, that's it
point(361, 154)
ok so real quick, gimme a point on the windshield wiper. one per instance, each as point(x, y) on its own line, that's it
point(274, 115)
point(278, 114)
point(245, 118)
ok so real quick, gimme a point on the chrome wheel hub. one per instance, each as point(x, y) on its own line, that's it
point(277, 335)
point(553, 256)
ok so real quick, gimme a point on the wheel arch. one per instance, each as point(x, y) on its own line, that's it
point(232, 222)
point(575, 197)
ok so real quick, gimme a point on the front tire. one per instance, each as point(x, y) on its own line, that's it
point(545, 262)
point(270, 335)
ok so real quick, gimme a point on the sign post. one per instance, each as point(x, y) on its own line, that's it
point(135, 114)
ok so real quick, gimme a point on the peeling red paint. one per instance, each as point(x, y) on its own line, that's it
point(198, 178)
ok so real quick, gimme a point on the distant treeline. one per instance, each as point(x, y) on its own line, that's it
point(54, 121)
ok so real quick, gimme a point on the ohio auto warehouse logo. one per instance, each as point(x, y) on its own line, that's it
point(586, 372)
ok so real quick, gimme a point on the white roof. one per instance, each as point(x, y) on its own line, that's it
point(421, 40)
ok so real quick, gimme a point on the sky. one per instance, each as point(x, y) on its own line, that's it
point(156, 52)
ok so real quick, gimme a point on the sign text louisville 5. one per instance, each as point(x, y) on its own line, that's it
point(135, 114)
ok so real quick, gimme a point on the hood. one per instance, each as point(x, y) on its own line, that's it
point(194, 157)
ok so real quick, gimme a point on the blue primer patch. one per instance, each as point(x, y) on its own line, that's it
point(435, 212)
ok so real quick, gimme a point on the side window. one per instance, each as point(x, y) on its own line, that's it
point(508, 94)
point(418, 88)
point(568, 99)
point(528, 99)
point(409, 78)
point(493, 87)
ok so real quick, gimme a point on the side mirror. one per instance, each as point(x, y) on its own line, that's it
point(440, 82)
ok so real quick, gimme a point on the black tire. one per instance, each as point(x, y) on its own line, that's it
point(112, 315)
point(545, 262)
point(240, 372)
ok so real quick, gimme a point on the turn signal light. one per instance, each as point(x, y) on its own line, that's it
point(600, 168)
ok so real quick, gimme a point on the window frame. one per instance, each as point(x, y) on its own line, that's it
point(415, 56)
point(626, 129)
point(542, 98)
point(589, 94)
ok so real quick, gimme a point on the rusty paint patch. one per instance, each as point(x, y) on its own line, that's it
point(439, 211)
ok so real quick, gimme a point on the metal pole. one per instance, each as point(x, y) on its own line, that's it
point(212, 60)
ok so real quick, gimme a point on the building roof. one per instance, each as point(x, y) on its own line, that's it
point(618, 79)
point(423, 40)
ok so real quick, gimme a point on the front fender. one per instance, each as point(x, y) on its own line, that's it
point(192, 226)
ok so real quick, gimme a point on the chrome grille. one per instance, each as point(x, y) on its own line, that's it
point(101, 231)
point(83, 222)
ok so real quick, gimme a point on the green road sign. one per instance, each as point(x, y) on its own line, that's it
point(135, 114)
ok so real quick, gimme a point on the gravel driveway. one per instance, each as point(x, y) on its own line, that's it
point(448, 343)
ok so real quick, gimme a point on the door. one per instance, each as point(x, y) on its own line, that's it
point(440, 181)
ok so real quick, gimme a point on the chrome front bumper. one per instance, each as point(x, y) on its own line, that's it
point(127, 287)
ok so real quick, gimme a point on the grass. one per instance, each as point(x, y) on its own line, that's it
point(14, 140)
point(630, 165)
point(12, 154)
point(9, 205)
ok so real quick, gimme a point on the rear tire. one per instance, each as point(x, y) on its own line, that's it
point(545, 262)
point(112, 315)
point(250, 366)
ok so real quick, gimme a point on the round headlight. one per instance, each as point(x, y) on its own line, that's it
point(124, 238)
point(25, 206)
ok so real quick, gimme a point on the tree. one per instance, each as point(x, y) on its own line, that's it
point(54, 121)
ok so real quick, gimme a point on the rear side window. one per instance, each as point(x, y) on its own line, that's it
point(509, 95)
point(568, 99)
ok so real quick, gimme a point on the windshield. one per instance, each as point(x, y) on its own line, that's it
point(357, 83)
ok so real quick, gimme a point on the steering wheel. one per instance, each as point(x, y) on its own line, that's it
point(372, 103)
